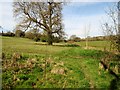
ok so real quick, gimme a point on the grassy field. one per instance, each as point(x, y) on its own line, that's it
point(43, 66)
point(99, 45)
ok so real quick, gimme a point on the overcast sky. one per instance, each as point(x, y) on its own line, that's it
point(76, 15)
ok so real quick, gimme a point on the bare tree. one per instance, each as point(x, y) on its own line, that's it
point(46, 16)
point(111, 28)
point(87, 31)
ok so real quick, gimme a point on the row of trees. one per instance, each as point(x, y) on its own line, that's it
point(31, 35)
point(9, 33)
point(96, 38)
point(43, 37)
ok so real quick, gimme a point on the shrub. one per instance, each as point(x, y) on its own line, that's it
point(19, 33)
point(3, 55)
point(72, 45)
point(43, 39)
point(36, 39)
point(10, 34)
point(56, 39)
point(29, 35)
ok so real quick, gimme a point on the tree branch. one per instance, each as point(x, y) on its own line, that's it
point(33, 19)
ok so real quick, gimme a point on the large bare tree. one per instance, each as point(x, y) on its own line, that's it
point(46, 16)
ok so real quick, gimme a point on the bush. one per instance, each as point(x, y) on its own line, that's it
point(33, 36)
point(36, 39)
point(29, 35)
point(72, 45)
point(3, 55)
point(43, 39)
point(56, 39)
point(19, 33)
point(10, 34)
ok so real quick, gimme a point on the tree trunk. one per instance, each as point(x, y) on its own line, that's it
point(50, 39)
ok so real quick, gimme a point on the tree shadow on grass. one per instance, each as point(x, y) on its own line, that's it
point(59, 45)
point(68, 45)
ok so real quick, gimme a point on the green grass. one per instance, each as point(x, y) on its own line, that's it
point(81, 67)
point(27, 46)
point(100, 45)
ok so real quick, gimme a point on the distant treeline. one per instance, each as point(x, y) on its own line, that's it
point(42, 37)
point(10, 34)
point(31, 35)
point(97, 38)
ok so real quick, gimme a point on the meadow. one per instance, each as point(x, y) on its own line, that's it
point(57, 66)
point(98, 45)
